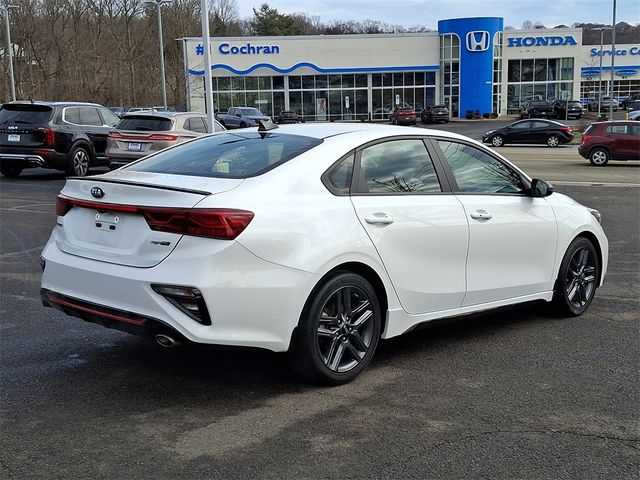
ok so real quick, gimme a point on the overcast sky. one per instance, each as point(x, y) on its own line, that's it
point(428, 12)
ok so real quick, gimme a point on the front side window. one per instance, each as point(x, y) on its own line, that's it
point(478, 172)
point(229, 155)
point(398, 166)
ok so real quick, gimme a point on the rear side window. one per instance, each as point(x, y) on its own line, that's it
point(90, 116)
point(619, 129)
point(72, 115)
point(195, 124)
point(25, 114)
point(230, 155)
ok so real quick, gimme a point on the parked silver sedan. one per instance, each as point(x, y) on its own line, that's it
point(142, 133)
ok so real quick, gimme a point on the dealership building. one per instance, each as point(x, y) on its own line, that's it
point(470, 64)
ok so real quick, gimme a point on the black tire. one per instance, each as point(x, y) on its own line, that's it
point(599, 157)
point(497, 140)
point(577, 279)
point(334, 340)
point(79, 162)
point(10, 171)
point(553, 141)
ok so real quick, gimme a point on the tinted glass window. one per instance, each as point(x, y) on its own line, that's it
point(230, 155)
point(521, 125)
point(195, 124)
point(477, 171)
point(90, 116)
point(398, 166)
point(539, 124)
point(72, 115)
point(108, 117)
point(25, 114)
point(620, 129)
point(339, 177)
point(151, 124)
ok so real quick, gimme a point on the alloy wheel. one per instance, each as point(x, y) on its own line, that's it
point(80, 163)
point(497, 141)
point(553, 141)
point(580, 281)
point(599, 157)
point(345, 328)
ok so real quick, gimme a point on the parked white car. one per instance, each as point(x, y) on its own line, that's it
point(316, 239)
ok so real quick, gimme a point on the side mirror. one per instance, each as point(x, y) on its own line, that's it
point(540, 188)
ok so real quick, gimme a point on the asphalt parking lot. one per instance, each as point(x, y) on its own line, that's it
point(511, 394)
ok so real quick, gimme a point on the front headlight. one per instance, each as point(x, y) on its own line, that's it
point(596, 215)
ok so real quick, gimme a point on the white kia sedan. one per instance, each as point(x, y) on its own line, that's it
point(317, 240)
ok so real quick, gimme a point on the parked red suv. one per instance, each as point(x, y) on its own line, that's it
point(403, 116)
point(604, 141)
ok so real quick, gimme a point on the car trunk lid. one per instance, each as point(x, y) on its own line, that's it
point(129, 219)
point(25, 126)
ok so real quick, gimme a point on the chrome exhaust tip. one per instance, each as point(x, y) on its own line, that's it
point(166, 341)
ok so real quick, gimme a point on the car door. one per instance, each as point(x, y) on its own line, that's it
point(93, 127)
point(518, 132)
point(512, 236)
point(539, 131)
point(418, 227)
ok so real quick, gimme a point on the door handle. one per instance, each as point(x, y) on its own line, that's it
point(481, 215)
point(379, 218)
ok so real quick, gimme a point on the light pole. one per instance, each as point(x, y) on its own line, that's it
point(613, 58)
point(601, 30)
point(5, 12)
point(159, 4)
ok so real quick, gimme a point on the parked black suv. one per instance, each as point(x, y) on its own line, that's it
point(67, 136)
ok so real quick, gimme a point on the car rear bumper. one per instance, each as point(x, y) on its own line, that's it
point(251, 302)
point(406, 121)
point(45, 158)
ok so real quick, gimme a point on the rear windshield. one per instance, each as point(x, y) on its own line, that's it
point(589, 129)
point(230, 155)
point(148, 124)
point(25, 114)
point(575, 104)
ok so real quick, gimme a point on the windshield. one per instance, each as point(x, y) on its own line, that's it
point(230, 155)
point(25, 113)
point(251, 112)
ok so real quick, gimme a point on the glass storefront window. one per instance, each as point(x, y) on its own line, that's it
point(348, 81)
point(408, 79)
point(321, 81)
point(376, 80)
point(251, 83)
point(278, 102)
point(278, 83)
point(566, 71)
point(398, 80)
point(335, 81)
point(361, 81)
point(514, 71)
point(526, 71)
point(295, 82)
point(264, 83)
point(224, 83)
point(309, 104)
point(237, 83)
point(308, 82)
point(540, 70)
point(295, 102)
point(387, 80)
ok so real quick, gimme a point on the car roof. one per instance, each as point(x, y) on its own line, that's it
point(161, 114)
point(53, 104)
point(374, 131)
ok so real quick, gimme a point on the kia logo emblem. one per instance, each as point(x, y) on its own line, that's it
point(97, 192)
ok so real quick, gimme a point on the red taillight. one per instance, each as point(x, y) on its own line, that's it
point(586, 138)
point(567, 129)
point(49, 136)
point(163, 138)
point(160, 137)
point(219, 223)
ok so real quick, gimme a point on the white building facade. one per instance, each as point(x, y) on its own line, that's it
point(470, 64)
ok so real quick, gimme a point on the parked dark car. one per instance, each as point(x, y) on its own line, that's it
point(537, 109)
point(567, 109)
point(604, 141)
point(605, 104)
point(403, 116)
point(435, 113)
point(143, 133)
point(287, 116)
point(547, 132)
point(66, 136)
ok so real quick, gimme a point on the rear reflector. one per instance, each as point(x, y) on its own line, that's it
point(218, 223)
point(187, 299)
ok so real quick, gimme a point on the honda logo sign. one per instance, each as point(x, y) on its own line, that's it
point(478, 41)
